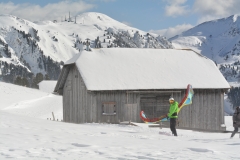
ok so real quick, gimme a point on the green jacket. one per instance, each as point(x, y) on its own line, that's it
point(173, 109)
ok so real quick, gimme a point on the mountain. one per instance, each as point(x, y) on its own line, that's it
point(32, 51)
point(218, 40)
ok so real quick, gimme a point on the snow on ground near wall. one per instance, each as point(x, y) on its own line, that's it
point(24, 134)
point(228, 123)
point(24, 137)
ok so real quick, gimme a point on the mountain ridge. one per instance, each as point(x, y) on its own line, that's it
point(28, 48)
point(218, 40)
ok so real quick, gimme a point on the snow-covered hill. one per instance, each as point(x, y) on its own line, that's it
point(29, 102)
point(28, 48)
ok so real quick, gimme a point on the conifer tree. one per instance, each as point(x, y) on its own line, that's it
point(46, 77)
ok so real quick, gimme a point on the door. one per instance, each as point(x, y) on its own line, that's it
point(155, 106)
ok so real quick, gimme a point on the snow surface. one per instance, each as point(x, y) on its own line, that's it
point(235, 17)
point(47, 86)
point(131, 68)
point(24, 136)
point(29, 102)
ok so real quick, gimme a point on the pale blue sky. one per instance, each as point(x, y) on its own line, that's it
point(166, 17)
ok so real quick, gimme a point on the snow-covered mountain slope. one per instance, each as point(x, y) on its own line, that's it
point(39, 47)
point(218, 40)
point(215, 39)
point(29, 102)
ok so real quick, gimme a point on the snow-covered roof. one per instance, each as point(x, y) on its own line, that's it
point(47, 86)
point(141, 69)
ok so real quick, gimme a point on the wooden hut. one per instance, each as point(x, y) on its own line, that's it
point(115, 84)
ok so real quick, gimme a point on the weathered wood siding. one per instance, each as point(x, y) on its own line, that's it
point(127, 106)
point(83, 106)
point(206, 112)
point(79, 105)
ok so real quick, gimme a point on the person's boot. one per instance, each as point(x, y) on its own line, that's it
point(175, 133)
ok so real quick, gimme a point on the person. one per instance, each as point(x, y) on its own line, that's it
point(236, 120)
point(173, 111)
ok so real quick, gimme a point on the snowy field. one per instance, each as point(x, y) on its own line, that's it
point(25, 133)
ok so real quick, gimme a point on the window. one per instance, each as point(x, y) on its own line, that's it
point(109, 108)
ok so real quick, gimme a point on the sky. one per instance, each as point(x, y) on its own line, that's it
point(164, 17)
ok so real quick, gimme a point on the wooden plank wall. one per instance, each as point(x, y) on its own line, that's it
point(67, 98)
point(126, 106)
point(85, 102)
point(130, 112)
point(81, 106)
point(206, 112)
point(77, 102)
